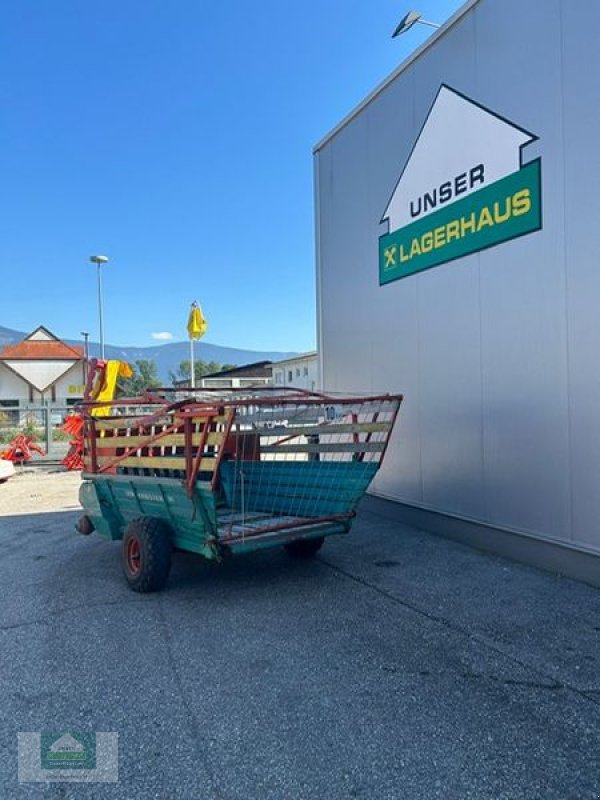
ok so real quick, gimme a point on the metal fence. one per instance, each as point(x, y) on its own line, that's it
point(40, 423)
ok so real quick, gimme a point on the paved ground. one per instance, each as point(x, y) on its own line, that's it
point(396, 666)
point(37, 489)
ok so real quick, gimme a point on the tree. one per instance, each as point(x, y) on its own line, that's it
point(145, 376)
point(183, 372)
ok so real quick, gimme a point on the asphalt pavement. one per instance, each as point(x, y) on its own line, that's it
point(394, 666)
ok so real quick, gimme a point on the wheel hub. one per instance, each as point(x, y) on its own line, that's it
point(134, 556)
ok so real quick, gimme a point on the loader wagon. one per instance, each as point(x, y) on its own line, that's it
point(228, 472)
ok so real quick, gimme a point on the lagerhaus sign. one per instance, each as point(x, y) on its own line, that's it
point(464, 188)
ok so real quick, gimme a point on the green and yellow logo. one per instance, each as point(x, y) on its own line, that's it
point(68, 751)
point(459, 192)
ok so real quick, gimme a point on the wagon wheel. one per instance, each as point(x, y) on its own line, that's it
point(304, 548)
point(146, 554)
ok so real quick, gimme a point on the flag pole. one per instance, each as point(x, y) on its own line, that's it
point(196, 329)
point(192, 370)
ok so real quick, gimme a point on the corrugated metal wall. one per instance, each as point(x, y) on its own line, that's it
point(498, 352)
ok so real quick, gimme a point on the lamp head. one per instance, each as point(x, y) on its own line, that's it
point(406, 23)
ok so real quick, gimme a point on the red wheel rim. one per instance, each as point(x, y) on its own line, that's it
point(134, 556)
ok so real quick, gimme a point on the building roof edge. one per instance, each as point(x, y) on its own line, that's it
point(464, 9)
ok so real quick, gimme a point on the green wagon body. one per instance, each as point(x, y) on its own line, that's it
point(233, 473)
point(201, 523)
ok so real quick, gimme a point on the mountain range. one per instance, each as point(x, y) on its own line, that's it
point(166, 356)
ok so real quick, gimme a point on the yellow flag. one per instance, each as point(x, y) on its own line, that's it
point(196, 322)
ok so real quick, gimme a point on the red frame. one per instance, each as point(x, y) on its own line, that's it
point(182, 413)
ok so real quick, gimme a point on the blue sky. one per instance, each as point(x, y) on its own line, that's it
point(177, 139)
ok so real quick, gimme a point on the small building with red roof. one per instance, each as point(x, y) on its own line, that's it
point(41, 369)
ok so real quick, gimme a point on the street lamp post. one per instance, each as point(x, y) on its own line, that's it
point(86, 357)
point(99, 260)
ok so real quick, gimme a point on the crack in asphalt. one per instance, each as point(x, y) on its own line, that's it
point(551, 682)
point(70, 609)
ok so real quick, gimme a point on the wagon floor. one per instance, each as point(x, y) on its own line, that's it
point(235, 523)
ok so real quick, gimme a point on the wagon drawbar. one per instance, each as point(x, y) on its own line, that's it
point(227, 471)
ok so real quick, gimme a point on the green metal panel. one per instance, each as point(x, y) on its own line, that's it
point(106, 522)
point(113, 501)
point(302, 488)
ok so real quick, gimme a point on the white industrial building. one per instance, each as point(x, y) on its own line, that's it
point(239, 377)
point(300, 372)
point(457, 212)
point(41, 369)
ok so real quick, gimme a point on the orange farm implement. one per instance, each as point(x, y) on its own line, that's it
point(73, 425)
point(21, 449)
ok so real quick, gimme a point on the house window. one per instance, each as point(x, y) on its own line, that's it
point(278, 377)
point(290, 376)
point(9, 417)
point(305, 371)
point(297, 372)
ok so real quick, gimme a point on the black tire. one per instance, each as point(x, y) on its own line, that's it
point(304, 548)
point(85, 526)
point(146, 554)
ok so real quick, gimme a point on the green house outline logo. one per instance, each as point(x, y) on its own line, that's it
point(71, 751)
point(467, 212)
